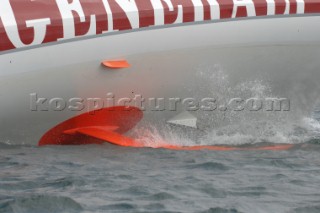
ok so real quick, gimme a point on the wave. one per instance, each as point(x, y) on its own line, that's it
point(40, 204)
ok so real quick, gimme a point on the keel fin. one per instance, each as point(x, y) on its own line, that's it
point(117, 119)
point(103, 128)
point(106, 134)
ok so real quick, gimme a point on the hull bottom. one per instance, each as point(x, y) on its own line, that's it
point(30, 98)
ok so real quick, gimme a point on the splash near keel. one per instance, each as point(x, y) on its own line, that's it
point(109, 125)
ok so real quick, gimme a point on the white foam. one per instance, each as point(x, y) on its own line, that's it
point(237, 128)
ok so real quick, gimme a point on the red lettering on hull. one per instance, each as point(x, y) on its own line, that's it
point(28, 23)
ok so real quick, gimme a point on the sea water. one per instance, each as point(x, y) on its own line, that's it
point(107, 178)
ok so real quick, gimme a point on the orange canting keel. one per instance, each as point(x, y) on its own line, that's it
point(109, 125)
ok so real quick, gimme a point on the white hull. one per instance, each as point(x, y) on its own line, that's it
point(165, 62)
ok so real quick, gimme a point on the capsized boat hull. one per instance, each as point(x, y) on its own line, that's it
point(165, 63)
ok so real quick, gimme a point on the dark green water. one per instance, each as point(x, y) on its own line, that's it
point(114, 179)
